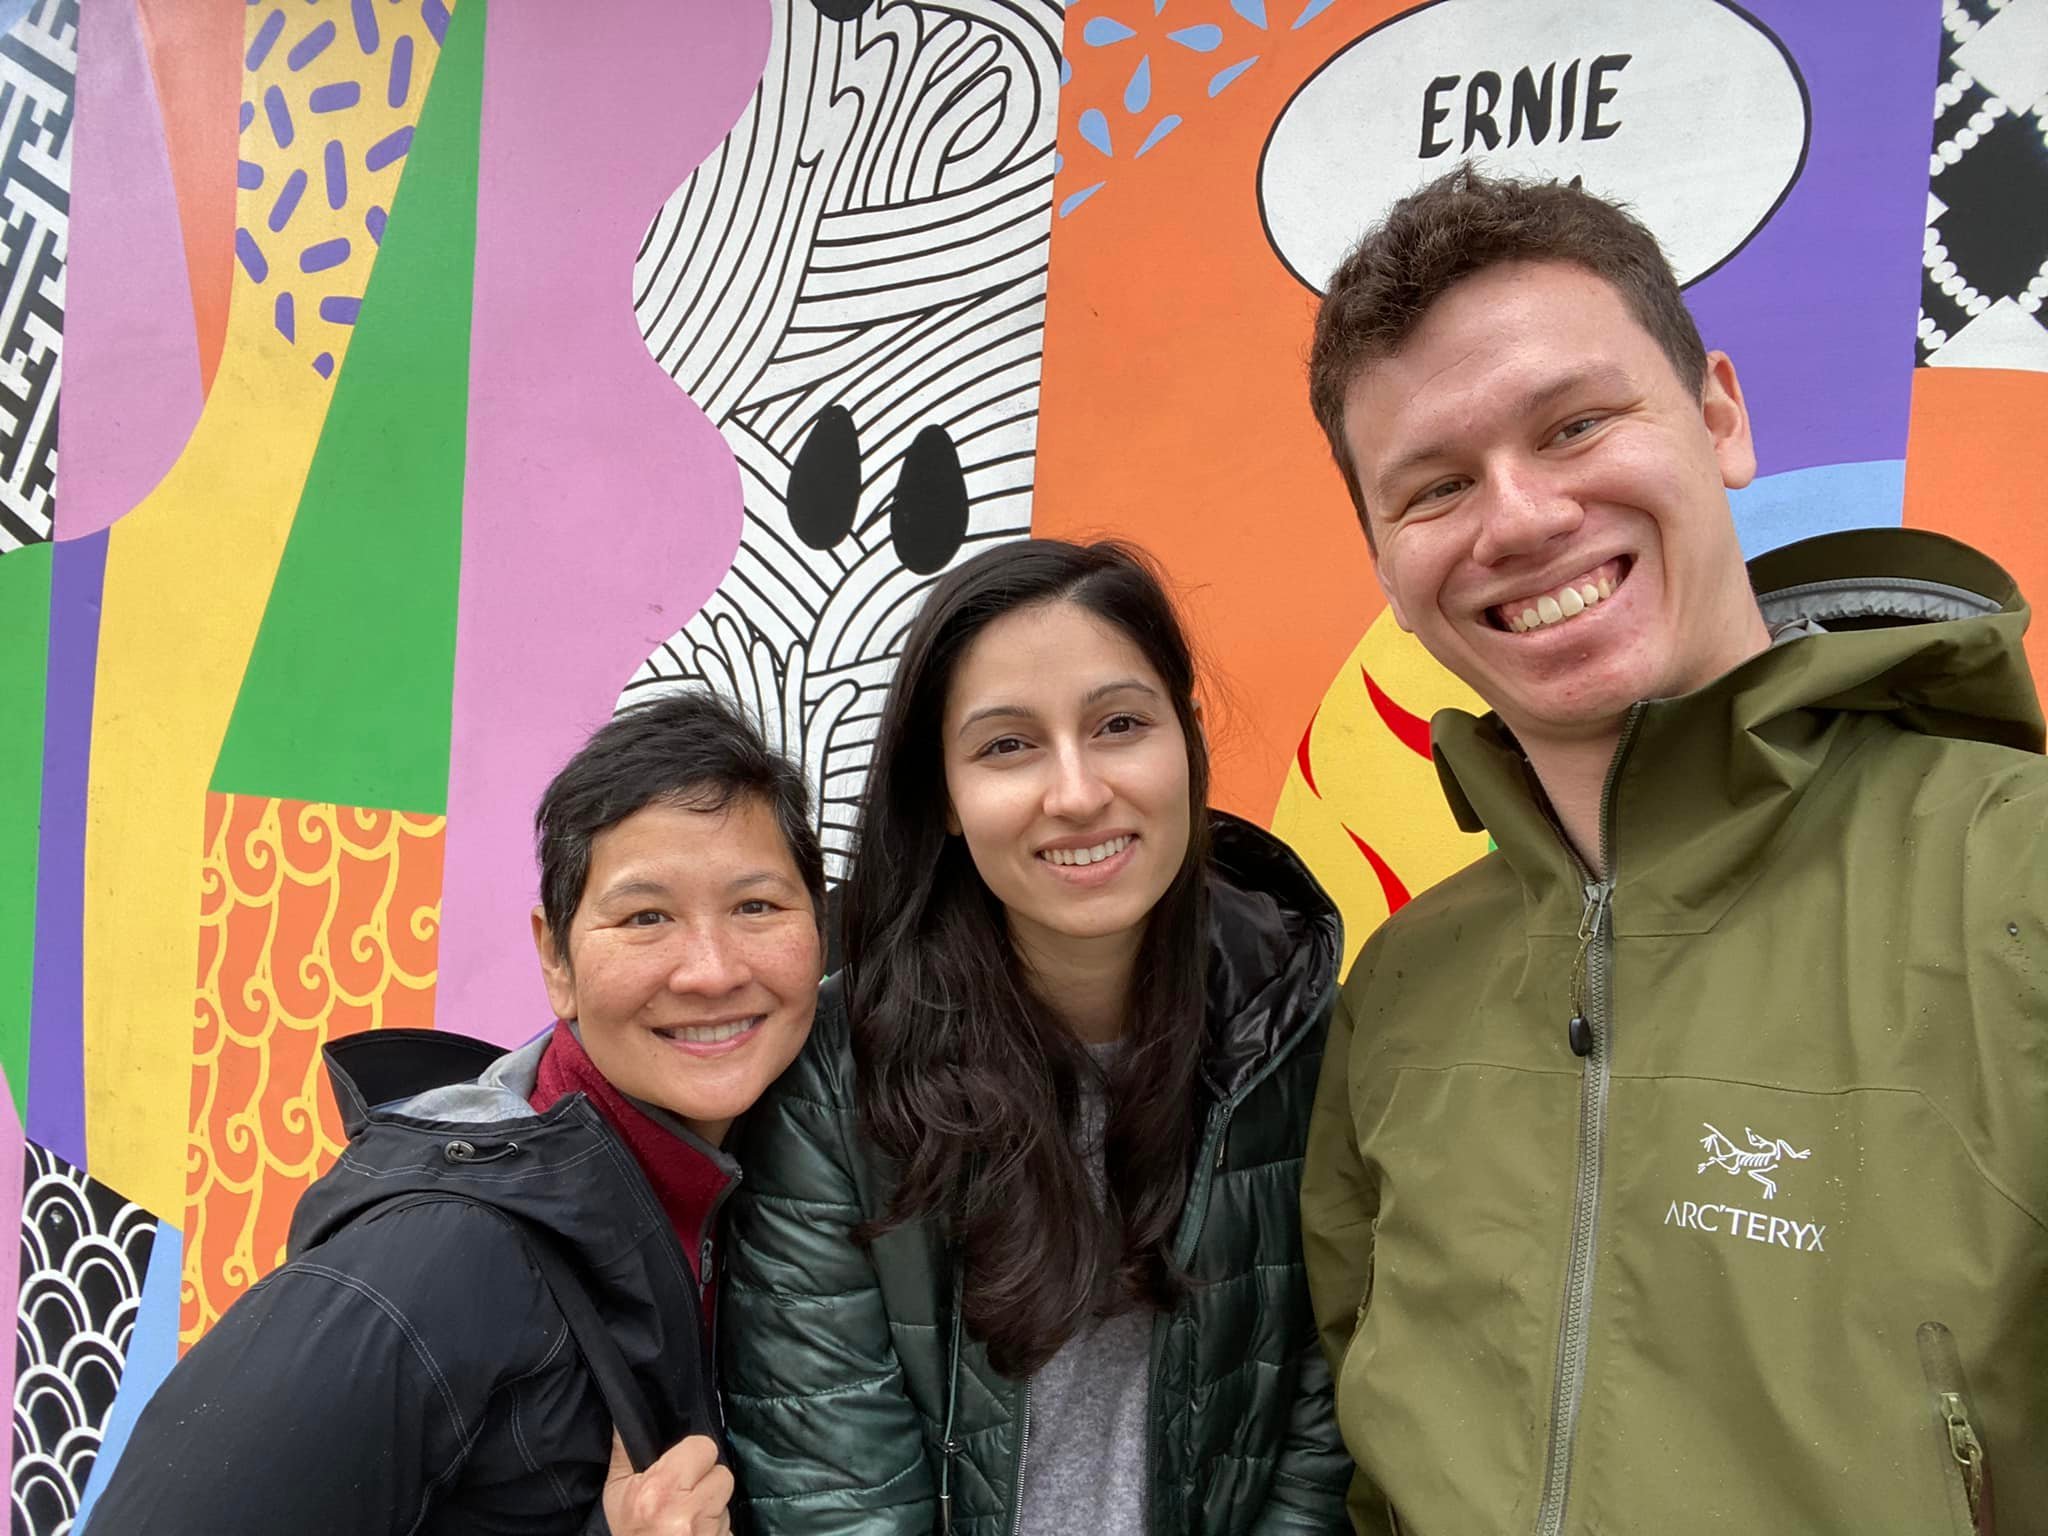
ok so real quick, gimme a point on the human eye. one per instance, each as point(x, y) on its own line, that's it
point(1124, 723)
point(1576, 428)
point(756, 906)
point(1437, 491)
point(1002, 746)
point(647, 917)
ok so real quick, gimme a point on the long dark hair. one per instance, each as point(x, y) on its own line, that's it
point(967, 1079)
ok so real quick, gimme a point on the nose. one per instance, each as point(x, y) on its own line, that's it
point(1522, 508)
point(711, 961)
point(1077, 791)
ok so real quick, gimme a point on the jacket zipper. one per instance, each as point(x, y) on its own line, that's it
point(1592, 1007)
point(1966, 1476)
point(949, 1447)
point(1023, 1453)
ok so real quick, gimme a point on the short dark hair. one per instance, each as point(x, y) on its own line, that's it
point(1460, 224)
point(691, 749)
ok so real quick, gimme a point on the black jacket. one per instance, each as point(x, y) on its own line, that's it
point(407, 1369)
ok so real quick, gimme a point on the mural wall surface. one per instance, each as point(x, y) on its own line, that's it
point(391, 388)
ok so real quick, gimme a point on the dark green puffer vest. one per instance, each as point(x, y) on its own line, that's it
point(855, 1404)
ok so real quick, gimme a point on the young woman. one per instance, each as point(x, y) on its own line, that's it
point(1019, 1249)
point(415, 1366)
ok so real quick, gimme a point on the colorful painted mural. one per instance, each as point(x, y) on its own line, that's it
point(390, 388)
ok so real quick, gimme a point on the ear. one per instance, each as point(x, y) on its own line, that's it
point(554, 968)
point(1727, 421)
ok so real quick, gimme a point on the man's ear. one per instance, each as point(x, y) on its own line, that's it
point(554, 968)
point(1727, 420)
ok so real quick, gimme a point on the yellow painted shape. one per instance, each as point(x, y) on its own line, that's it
point(188, 573)
point(1369, 781)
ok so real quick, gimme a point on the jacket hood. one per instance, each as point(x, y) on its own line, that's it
point(1876, 626)
point(1275, 940)
point(432, 1111)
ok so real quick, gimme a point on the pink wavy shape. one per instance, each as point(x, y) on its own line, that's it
point(600, 506)
point(131, 347)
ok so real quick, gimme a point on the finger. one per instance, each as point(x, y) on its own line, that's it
point(685, 1464)
point(622, 1464)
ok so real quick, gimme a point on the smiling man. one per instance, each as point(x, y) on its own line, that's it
point(1682, 1164)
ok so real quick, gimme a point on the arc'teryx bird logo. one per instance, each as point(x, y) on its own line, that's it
point(1759, 1163)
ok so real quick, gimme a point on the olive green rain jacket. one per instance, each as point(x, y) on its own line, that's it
point(857, 1404)
point(1772, 1256)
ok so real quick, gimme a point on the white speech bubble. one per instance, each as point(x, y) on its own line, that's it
point(1689, 111)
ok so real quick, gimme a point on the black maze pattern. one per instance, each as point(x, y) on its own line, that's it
point(38, 72)
point(853, 289)
point(84, 1252)
point(1985, 259)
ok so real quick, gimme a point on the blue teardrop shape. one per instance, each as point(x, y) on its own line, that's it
point(1095, 129)
point(1138, 94)
point(1101, 31)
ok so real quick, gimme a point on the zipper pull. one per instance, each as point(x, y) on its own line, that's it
point(1964, 1445)
point(1579, 1030)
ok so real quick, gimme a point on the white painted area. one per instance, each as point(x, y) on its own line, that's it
point(2004, 336)
point(1686, 110)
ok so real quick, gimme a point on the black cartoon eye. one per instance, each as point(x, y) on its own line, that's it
point(928, 515)
point(824, 482)
point(841, 10)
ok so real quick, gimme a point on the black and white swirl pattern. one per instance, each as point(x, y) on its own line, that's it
point(853, 289)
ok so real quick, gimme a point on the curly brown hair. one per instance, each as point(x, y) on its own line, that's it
point(1460, 224)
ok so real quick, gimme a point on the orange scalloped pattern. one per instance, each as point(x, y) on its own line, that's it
point(316, 921)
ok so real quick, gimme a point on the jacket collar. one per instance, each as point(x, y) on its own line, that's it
point(1923, 635)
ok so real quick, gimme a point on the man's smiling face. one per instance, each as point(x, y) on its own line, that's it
point(1549, 501)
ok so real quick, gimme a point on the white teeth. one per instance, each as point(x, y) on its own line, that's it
point(1093, 855)
point(710, 1034)
point(1555, 608)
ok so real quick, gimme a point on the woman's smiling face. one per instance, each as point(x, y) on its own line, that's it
point(1067, 776)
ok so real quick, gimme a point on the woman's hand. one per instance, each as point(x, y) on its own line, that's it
point(683, 1494)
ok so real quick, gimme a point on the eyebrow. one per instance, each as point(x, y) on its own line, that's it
point(753, 879)
point(1541, 398)
point(1094, 695)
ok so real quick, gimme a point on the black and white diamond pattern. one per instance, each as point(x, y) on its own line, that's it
point(1985, 257)
point(38, 70)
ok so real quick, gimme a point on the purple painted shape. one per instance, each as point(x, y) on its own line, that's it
point(284, 317)
point(56, 1039)
point(328, 253)
point(248, 175)
point(248, 108)
point(266, 37)
point(435, 15)
point(335, 97)
point(131, 347)
point(324, 365)
point(310, 47)
point(1818, 310)
point(399, 85)
point(337, 174)
point(287, 202)
point(251, 255)
point(280, 116)
point(388, 148)
point(605, 117)
point(338, 310)
point(13, 1169)
point(366, 25)
point(374, 221)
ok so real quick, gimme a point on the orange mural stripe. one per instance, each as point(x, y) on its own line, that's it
point(1412, 731)
point(317, 921)
point(1973, 471)
point(1390, 883)
point(195, 55)
point(1174, 396)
